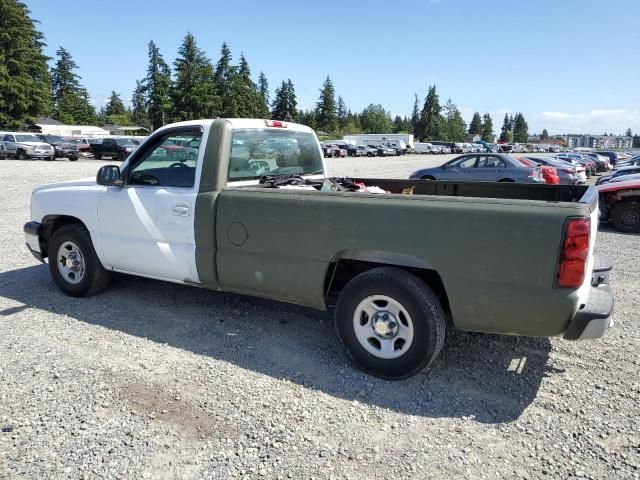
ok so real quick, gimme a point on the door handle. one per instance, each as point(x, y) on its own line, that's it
point(181, 210)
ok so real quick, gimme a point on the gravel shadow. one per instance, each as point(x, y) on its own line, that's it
point(489, 378)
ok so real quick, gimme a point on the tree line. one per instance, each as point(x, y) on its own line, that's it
point(194, 87)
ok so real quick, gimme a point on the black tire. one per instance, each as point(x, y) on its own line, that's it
point(97, 156)
point(95, 278)
point(121, 156)
point(73, 159)
point(625, 216)
point(507, 180)
point(20, 155)
point(425, 312)
point(50, 159)
point(428, 177)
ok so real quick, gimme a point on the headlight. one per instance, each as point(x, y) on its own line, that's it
point(128, 149)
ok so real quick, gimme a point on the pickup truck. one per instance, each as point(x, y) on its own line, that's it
point(25, 146)
point(119, 148)
point(253, 213)
point(620, 203)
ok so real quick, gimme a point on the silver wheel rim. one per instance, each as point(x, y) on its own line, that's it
point(71, 263)
point(383, 327)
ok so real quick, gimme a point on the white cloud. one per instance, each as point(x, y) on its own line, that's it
point(596, 121)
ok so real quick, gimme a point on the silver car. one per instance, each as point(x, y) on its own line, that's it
point(483, 167)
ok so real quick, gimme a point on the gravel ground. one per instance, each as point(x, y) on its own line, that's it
point(154, 380)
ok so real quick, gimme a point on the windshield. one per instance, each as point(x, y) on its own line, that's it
point(27, 138)
point(255, 153)
point(125, 142)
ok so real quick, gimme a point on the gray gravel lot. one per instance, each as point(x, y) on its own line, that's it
point(155, 380)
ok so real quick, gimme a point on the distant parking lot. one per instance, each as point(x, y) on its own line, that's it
point(158, 380)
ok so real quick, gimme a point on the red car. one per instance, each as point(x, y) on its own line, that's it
point(550, 174)
point(620, 205)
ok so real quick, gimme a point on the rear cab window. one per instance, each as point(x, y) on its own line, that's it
point(260, 152)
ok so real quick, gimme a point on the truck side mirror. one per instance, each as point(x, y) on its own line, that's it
point(109, 176)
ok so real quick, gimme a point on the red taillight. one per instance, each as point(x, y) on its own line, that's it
point(275, 124)
point(575, 253)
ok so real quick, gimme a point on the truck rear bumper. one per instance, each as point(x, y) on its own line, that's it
point(594, 318)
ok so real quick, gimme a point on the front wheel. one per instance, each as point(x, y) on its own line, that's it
point(22, 156)
point(390, 323)
point(97, 156)
point(73, 159)
point(428, 177)
point(73, 262)
point(625, 217)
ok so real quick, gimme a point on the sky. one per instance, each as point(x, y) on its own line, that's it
point(570, 66)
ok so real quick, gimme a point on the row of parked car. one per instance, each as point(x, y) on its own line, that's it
point(25, 146)
point(344, 149)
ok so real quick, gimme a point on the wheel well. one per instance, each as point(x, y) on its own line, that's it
point(50, 224)
point(506, 180)
point(342, 271)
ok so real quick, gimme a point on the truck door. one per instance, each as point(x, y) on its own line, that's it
point(147, 226)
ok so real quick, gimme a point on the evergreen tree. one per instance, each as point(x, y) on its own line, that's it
point(415, 116)
point(64, 79)
point(545, 135)
point(487, 128)
point(342, 113)
point(353, 124)
point(157, 87)
point(193, 94)
point(476, 124)
point(628, 133)
point(308, 118)
point(455, 128)
point(247, 97)
point(326, 115)
point(224, 79)
point(25, 84)
point(114, 106)
point(512, 122)
point(431, 121)
point(139, 114)
point(71, 101)
point(285, 105)
point(375, 119)
point(506, 134)
point(520, 129)
point(263, 89)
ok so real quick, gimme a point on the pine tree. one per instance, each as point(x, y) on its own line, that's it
point(512, 122)
point(247, 98)
point(115, 106)
point(455, 127)
point(25, 84)
point(506, 134)
point(224, 78)
point(285, 105)
point(342, 113)
point(263, 89)
point(545, 135)
point(71, 101)
point(308, 118)
point(431, 121)
point(157, 87)
point(64, 79)
point(628, 133)
point(139, 114)
point(520, 129)
point(415, 116)
point(326, 115)
point(476, 124)
point(487, 128)
point(193, 94)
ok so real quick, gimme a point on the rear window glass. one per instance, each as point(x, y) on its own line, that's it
point(259, 152)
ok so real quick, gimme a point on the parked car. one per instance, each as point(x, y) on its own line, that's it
point(620, 203)
point(568, 173)
point(484, 167)
point(365, 151)
point(119, 148)
point(84, 150)
point(603, 163)
point(613, 156)
point(63, 148)
point(619, 172)
point(24, 146)
point(578, 159)
point(426, 148)
point(335, 151)
point(456, 254)
point(383, 151)
point(550, 174)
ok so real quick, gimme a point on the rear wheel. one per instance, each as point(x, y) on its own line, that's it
point(97, 156)
point(390, 323)
point(73, 159)
point(507, 180)
point(73, 262)
point(625, 216)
